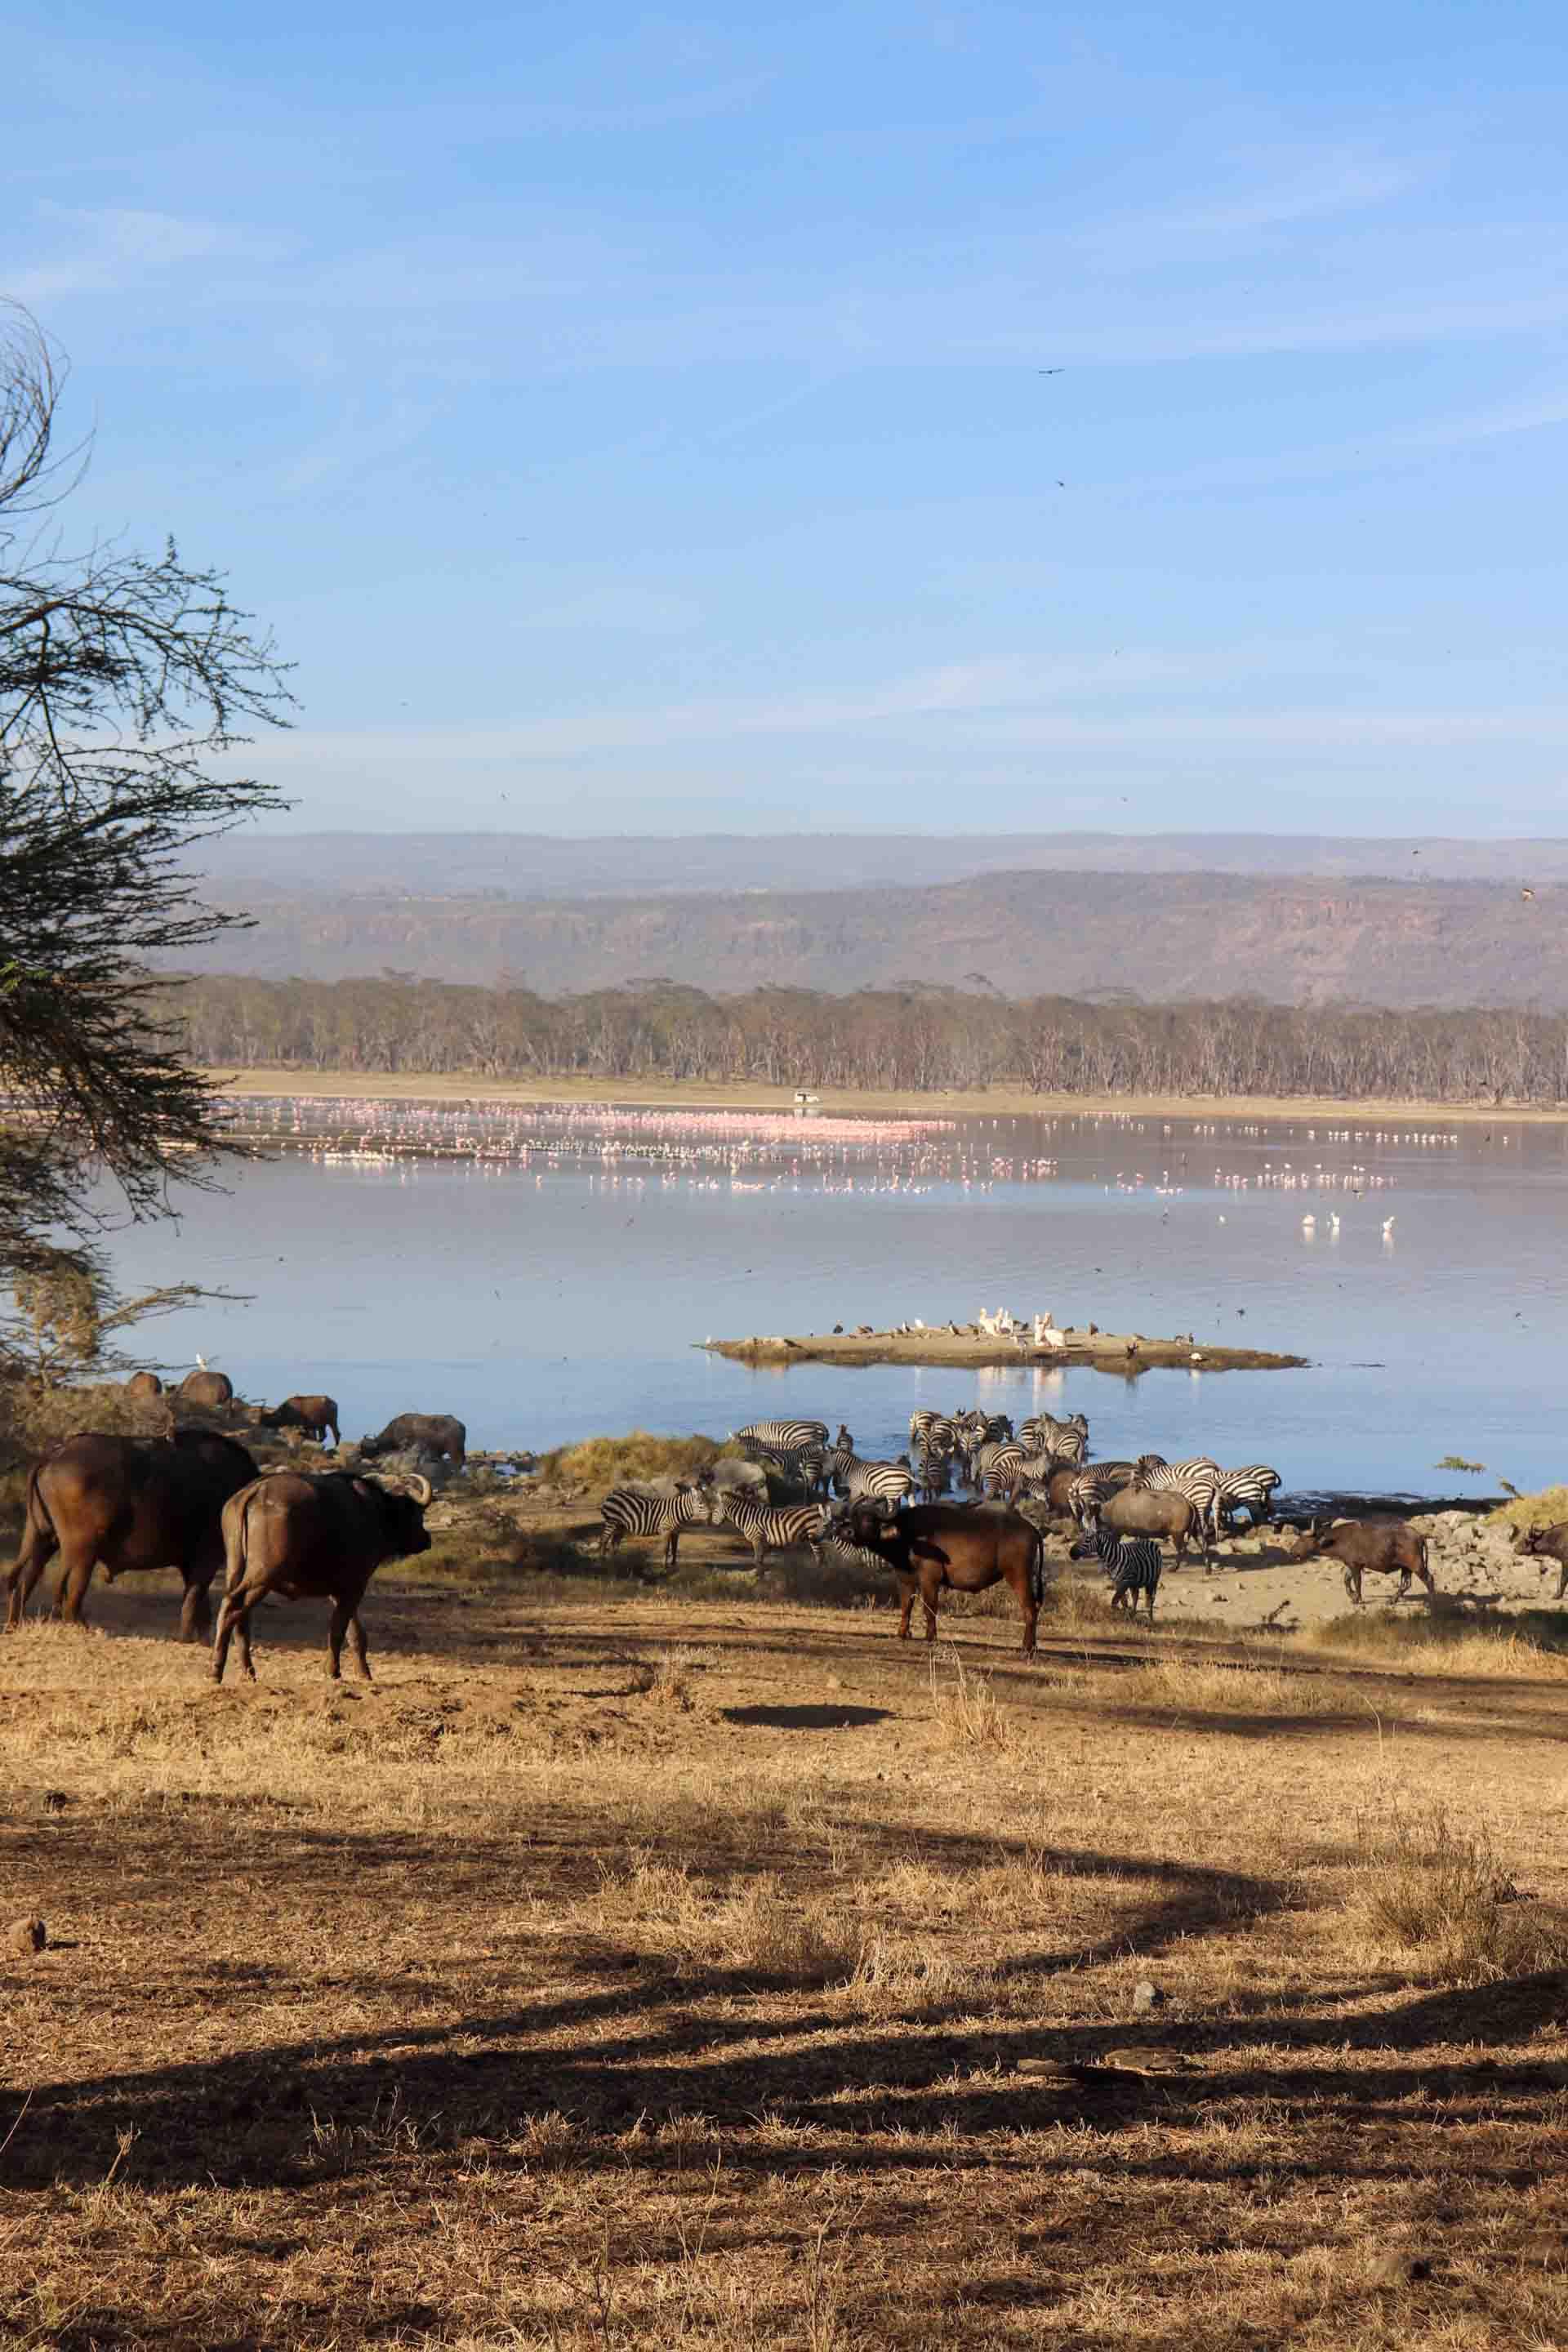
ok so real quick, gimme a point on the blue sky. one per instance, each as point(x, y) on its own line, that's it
point(633, 422)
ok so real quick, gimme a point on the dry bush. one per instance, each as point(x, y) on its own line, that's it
point(1433, 1888)
point(1527, 1644)
point(1078, 1605)
point(670, 1683)
point(756, 1930)
point(968, 1712)
point(919, 1967)
point(1541, 1510)
point(605, 1461)
point(32, 1419)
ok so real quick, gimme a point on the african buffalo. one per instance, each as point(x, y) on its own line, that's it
point(131, 1503)
point(420, 1433)
point(208, 1391)
point(1159, 1511)
point(314, 1414)
point(142, 1385)
point(314, 1539)
point(1541, 1544)
point(937, 1544)
point(1379, 1547)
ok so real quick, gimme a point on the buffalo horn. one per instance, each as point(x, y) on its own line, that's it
point(421, 1489)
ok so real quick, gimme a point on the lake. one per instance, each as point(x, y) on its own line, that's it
point(554, 1289)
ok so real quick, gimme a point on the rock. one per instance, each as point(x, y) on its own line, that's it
point(1402, 2269)
point(27, 1936)
point(1146, 1996)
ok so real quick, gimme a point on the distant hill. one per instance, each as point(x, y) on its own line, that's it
point(541, 865)
point(1079, 932)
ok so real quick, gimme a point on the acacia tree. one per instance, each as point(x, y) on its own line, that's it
point(125, 678)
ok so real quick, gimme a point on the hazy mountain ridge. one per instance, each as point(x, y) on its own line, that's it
point(1163, 937)
point(527, 866)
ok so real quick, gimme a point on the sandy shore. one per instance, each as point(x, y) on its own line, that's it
point(1001, 1102)
point(1122, 1352)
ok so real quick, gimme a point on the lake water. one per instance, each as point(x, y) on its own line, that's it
point(554, 1290)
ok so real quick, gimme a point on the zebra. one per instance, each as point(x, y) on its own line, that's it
point(805, 1465)
point(1092, 1490)
point(783, 1436)
point(1251, 1489)
point(640, 1511)
point(874, 1482)
point(1133, 1562)
point(929, 1429)
point(1043, 1432)
point(994, 1463)
point(932, 1468)
point(770, 1528)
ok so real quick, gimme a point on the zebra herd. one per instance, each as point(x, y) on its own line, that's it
point(792, 1487)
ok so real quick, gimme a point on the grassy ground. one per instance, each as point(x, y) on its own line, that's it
point(998, 1102)
point(623, 1968)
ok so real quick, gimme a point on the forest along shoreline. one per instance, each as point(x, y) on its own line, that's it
point(288, 1083)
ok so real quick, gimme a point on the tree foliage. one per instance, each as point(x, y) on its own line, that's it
point(127, 680)
point(913, 1041)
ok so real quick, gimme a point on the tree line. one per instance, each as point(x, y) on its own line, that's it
point(910, 1039)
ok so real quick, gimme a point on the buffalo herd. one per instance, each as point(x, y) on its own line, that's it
point(194, 1498)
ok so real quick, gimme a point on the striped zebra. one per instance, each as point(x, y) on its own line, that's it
point(994, 1463)
point(934, 1467)
point(929, 1431)
point(1092, 1490)
point(642, 1512)
point(805, 1465)
point(775, 1527)
point(1043, 1433)
point(873, 1482)
point(784, 1436)
point(1251, 1490)
point(1133, 1563)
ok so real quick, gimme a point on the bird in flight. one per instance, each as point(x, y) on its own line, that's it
point(1527, 894)
point(1049, 370)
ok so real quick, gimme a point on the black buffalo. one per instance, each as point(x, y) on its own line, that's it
point(420, 1433)
point(130, 1503)
point(316, 1415)
point(313, 1539)
point(208, 1391)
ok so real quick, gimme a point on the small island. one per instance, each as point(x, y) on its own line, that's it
point(967, 1347)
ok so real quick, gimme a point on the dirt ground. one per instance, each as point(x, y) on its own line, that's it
point(621, 1968)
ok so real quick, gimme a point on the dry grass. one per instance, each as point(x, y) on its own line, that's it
point(604, 1462)
point(1439, 1891)
point(967, 1711)
point(1530, 1644)
point(634, 1971)
point(1542, 1510)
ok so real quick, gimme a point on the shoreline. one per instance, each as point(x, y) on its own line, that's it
point(999, 1102)
point(1124, 1353)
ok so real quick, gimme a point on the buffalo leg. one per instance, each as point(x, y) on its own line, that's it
point(76, 1575)
point(1352, 1585)
point(931, 1589)
point(909, 1597)
point(195, 1611)
point(356, 1634)
point(1031, 1615)
point(39, 1549)
point(233, 1617)
point(341, 1613)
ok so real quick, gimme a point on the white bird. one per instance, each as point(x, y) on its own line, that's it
point(202, 1361)
point(1387, 1228)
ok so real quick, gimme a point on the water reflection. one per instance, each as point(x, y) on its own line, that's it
point(543, 1299)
